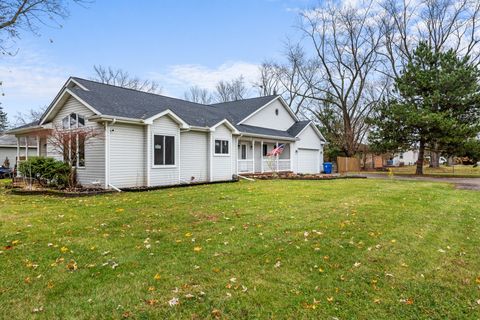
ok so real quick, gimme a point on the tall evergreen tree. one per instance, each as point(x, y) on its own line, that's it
point(436, 103)
point(3, 120)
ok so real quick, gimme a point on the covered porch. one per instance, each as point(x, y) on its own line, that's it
point(30, 142)
point(252, 156)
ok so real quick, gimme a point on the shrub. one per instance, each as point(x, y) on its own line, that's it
point(47, 171)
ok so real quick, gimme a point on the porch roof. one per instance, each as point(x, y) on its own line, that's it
point(267, 133)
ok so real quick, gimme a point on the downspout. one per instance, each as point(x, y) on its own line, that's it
point(107, 156)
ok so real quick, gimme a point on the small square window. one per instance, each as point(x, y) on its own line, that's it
point(221, 146)
point(163, 150)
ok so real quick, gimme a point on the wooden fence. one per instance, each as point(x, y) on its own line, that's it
point(345, 164)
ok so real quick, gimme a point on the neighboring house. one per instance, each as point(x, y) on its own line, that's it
point(408, 158)
point(153, 140)
point(8, 148)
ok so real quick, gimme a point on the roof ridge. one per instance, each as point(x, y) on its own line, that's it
point(252, 98)
point(140, 91)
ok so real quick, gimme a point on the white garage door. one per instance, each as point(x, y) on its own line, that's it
point(308, 161)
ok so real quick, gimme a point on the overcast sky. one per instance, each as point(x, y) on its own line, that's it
point(178, 43)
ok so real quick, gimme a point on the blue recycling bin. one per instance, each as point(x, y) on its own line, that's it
point(327, 167)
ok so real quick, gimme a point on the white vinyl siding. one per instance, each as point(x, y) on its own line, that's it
point(194, 156)
point(267, 118)
point(94, 170)
point(168, 174)
point(222, 164)
point(308, 140)
point(127, 155)
point(11, 153)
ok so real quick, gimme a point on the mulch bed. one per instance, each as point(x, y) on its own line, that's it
point(294, 176)
point(60, 193)
point(183, 185)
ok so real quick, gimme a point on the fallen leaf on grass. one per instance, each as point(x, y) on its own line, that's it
point(197, 249)
point(173, 302)
point(151, 302)
point(216, 313)
point(72, 265)
point(157, 277)
point(64, 249)
point(36, 310)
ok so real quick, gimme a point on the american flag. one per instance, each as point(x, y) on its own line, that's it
point(276, 151)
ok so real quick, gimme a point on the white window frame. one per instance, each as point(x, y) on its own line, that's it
point(77, 165)
point(246, 151)
point(163, 166)
point(222, 154)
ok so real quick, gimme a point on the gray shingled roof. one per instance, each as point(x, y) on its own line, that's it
point(11, 140)
point(121, 102)
point(236, 111)
point(263, 131)
point(297, 127)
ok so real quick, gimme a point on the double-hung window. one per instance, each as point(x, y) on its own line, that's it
point(163, 150)
point(73, 142)
point(221, 146)
point(243, 151)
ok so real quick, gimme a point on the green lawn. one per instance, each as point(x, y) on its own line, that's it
point(365, 249)
point(446, 171)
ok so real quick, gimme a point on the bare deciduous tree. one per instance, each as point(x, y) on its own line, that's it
point(198, 95)
point(122, 78)
point(345, 41)
point(232, 90)
point(17, 15)
point(71, 144)
point(32, 115)
point(442, 24)
point(267, 83)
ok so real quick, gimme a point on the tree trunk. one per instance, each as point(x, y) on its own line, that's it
point(421, 156)
point(434, 158)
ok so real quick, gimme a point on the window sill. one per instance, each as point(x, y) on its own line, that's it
point(165, 166)
point(221, 155)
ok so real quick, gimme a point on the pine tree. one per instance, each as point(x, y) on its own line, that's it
point(437, 103)
point(3, 120)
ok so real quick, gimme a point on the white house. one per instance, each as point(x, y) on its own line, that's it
point(8, 148)
point(153, 140)
point(408, 158)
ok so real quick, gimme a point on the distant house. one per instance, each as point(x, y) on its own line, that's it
point(8, 148)
point(407, 158)
point(154, 140)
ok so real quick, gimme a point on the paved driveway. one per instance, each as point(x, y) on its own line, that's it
point(460, 183)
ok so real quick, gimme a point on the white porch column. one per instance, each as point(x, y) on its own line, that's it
point(261, 156)
point(276, 157)
point(38, 146)
point(26, 148)
point(292, 152)
point(17, 161)
point(253, 156)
